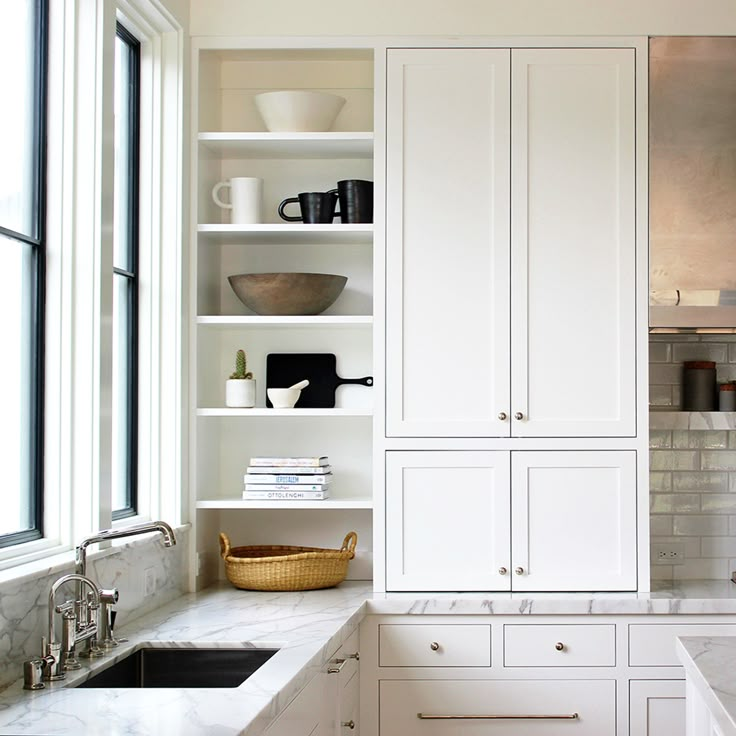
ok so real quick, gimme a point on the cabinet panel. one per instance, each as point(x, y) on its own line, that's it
point(657, 708)
point(574, 520)
point(302, 716)
point(447, 520)
point(561, 645)
point(573, 242)
point(447, 231)
point(423, 645)
point(653, 645)
point(594, 702)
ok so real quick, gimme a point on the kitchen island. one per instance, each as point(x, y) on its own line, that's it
point(710, 668)
point(307, 628)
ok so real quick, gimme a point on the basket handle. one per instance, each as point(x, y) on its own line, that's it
point(224, 545)
point(348, 544)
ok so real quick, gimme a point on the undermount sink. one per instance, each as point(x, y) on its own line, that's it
point(156, 667)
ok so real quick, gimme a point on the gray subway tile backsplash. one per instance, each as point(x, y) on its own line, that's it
point(692, 473)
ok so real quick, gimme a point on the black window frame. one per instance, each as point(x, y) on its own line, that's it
point(38, 283)
point(131, 274)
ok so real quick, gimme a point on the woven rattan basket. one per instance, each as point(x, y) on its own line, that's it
point(275, 567)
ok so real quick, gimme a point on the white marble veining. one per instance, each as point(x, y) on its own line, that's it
point(710, 666)
point(308, 628)
point(24, 600)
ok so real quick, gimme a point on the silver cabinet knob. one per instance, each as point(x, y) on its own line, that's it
point(434, 646)
point(502, 416)
point(519, 416)
point(559, 646)
point(502, 570)
point(519, 570)
point(348, 724)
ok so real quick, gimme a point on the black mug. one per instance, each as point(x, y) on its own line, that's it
point(356, 200)
point(316, 207)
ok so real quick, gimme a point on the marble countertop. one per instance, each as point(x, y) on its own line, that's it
point(710, 666)
point(307, 628)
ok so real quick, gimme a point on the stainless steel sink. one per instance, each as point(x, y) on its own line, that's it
point(155, 667)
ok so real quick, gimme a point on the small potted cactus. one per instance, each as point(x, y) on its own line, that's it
point(240, 388)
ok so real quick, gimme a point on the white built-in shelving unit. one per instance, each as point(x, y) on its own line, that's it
point(229, 139)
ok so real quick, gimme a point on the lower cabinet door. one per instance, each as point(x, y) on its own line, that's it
point(447, 520)
point(302, 717)
point(657, 708)
point(497, 707)
point(573, 520)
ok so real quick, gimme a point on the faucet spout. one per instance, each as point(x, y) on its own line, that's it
point(106, 534)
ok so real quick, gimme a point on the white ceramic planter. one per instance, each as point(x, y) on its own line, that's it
point(240, 392)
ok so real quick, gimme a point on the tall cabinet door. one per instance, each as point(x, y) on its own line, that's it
point(573, 243)
point(573, 520)
point(447, 520)
point(447, 243)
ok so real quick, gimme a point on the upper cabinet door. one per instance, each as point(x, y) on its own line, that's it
point(573, 243)
point(447, 240)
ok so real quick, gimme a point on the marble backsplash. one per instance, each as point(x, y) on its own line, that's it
point(24, 600)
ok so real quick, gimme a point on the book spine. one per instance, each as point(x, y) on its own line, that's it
point(285, 495)
point(307, 462)
point(284, 487)
point(291, 479)
point(289, 470)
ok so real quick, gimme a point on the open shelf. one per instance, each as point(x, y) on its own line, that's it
point(266, 412)
point(691, 420)
point(286, 234)
point(290, 321)
point(250, 145)
point(328, 503)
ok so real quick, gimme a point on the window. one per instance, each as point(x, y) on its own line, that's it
point(125, 275)
point(23, 54)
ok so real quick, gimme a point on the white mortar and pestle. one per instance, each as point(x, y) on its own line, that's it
point(285, 398)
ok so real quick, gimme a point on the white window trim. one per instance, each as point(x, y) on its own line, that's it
point(79, 274)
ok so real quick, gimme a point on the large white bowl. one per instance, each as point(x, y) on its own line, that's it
point(300, 111)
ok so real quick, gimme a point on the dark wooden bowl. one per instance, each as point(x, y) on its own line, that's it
point(287, 293)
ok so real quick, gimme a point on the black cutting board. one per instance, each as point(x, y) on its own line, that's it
point(320, 369)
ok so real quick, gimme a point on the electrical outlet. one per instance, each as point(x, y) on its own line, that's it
point(668, 553)
point(149, 581)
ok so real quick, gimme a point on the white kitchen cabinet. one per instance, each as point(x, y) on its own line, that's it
point(573, 520)
point(657, 708)
point(447, 520)
point(494, 520)
point(302, 717)
point(511, 248)
point(447, 232)
point(501, 708)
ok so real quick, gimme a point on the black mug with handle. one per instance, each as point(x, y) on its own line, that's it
point(316, 207)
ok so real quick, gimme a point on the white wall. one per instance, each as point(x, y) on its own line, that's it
point(461, 17)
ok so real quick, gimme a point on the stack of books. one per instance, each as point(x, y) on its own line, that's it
point(287, 479)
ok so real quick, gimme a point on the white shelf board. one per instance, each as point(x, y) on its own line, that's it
point(288, 321)
point(286, 234)
point(692, 420)
point(265, 412)
point(328, 503)
point(251, 145)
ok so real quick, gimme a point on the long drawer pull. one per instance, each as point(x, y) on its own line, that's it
point(438, 717)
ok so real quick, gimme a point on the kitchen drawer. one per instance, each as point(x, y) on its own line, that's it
point(594, 702)
point(347, 657)
point(559, 645)
point(420, 645)
point(653, 645)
